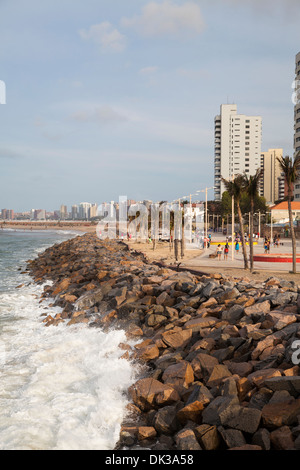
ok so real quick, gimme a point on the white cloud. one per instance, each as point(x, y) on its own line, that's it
point(148, 70)
point(106, 36)
point(167, 18)
point(101, 114)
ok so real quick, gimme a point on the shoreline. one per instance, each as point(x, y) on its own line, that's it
point(49, 226)
point(214, 351)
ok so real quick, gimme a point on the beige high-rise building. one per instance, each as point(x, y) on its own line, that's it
point(272, 182)
point(237, 145)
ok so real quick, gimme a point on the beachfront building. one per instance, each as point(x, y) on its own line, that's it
point(280, 212)
point(237, 145)
point(7, 214)
point(84, 210)
point(63, 212)
point(296, 101)
point(74, 212)
point(272, 181)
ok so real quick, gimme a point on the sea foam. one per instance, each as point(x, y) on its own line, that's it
point(62, 387)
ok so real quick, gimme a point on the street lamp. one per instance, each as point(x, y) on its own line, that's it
point(202, 190)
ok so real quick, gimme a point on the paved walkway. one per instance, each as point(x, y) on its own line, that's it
point(238, 260)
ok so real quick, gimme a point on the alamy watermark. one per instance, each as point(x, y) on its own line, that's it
point(156, 221)
point(296, 354)
point(2, 92)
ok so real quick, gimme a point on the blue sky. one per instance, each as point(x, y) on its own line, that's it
point(111, 97)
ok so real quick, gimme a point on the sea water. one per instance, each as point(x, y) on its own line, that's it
point(61, 387)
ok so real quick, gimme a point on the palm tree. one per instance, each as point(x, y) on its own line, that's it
point(235, 189)
point(291, 170)
point(250, 184)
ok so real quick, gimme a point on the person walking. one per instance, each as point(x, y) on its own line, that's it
point(237, 247)
point(219, 251)
point(226, 250)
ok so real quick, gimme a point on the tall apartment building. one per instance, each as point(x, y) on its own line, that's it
point(272, 180)
point(297, 121)
point(237, 145)
point(63, 212)
point(74, 212)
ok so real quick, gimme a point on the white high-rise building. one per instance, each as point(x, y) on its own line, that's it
point(237, 145)
point(297, 121)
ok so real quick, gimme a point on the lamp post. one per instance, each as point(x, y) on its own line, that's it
point(205, 223)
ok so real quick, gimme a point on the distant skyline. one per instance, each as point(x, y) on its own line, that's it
point(108, 98)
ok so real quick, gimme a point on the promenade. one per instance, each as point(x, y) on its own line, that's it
point(237, 261)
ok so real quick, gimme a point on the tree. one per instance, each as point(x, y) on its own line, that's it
point(250, 184)
point(291, 171)
point(235, 189)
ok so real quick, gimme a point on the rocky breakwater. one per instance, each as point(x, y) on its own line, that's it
point(217, 354)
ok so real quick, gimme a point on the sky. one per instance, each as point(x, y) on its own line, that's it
point(110, 98)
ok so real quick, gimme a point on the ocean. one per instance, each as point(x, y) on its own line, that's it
point(61, 387)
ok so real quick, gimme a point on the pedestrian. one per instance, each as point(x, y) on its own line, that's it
point(226, 250)
point(219, 251)
point(237, 247)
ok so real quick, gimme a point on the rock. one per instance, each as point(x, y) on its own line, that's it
point(148, 353)
point(155, 319)
point(146, 432)
point(234, 314)
point(262, 439)
point(186, 440)
point(62, 286)
point(247, 447)
point(179, 374)
point(289, 383)
point(280, 319)
point(259, 377)
point(177, 339)
point(93, 297)
point(203, 365)
point(165, 300)
point(232, 437)
point(242, 369)
point(200, 394)
point(218, 374)
point(276, 415)
point(190, 412)
point(258, 309)
point(229, 294)
point(209, 303)
point(200, 322)
point(207, 436)
point(220, 410)
point(245, 419)
point(150, 393)
point(282, 439)
point(165, 420)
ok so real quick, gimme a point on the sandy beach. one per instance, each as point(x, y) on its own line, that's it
point(51, 225)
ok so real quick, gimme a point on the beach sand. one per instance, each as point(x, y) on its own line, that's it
point(69, 226)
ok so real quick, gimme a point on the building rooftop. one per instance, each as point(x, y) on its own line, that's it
point(284, 206)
